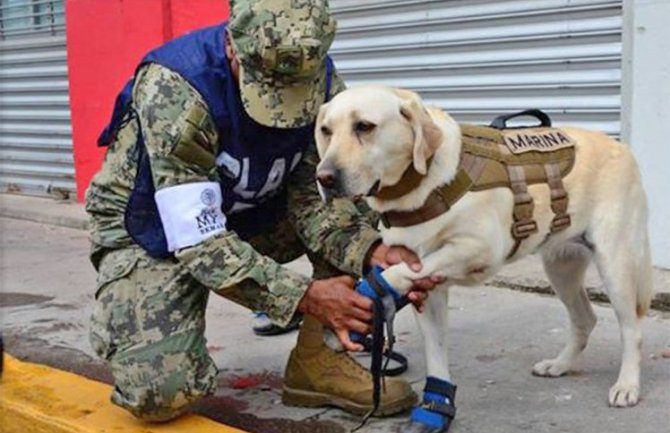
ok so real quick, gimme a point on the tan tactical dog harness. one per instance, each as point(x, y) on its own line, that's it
point(493, 157)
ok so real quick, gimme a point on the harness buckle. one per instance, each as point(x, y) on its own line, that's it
point(560, 222)
point(559, 204)
point(524, 228)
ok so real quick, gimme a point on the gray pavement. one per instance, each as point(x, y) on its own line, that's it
point(497, 335)
point(64, 213)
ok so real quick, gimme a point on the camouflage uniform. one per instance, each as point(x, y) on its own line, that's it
point(149, 316)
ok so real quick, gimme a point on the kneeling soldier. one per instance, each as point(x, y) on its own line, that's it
point(208, 185)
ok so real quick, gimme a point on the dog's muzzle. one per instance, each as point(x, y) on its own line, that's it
point(329, 184)
point(327, 181)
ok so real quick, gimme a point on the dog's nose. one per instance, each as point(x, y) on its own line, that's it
point(326, 178)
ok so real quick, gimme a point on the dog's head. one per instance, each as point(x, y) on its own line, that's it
point(367, 137)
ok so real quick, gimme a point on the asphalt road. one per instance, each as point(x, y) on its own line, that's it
point(497, 335)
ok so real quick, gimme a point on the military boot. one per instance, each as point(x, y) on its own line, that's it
point(318, 376)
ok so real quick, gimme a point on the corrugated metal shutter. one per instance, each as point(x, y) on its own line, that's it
point(35, 132)
point(478, 58)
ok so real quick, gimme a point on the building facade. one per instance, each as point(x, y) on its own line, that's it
point(474, 58)
point(35, 132)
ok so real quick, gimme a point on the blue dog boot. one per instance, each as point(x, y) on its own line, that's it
point(375, 287)
point(437, 409)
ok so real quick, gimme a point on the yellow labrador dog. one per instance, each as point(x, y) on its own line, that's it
point(367, 137)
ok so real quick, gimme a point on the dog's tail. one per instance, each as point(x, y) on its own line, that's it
point(643, 278)
point(638, 219)
point(642, 267)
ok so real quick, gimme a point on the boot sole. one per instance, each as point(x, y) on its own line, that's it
point(301, 398)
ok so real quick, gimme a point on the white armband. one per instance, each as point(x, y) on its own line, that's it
point(191, 213)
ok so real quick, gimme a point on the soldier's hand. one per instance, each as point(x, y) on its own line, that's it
point(335, 303)
point(386, 256)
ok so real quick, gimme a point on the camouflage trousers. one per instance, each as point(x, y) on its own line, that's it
point(149, 323)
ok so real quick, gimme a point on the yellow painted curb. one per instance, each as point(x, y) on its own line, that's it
point(39, 399)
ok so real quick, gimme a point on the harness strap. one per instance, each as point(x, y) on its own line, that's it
point(473, 165)
point(524, 225)
point(559, 198)
point(408, 182)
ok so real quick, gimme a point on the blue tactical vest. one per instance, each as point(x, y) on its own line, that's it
point(251, 155)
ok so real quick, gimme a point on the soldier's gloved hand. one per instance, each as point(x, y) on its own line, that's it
point(335, 303)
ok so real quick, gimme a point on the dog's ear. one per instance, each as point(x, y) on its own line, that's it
point(427, 135)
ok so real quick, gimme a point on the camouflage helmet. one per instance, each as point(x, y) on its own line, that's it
point(281, 46)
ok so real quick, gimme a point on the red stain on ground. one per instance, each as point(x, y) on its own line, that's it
point(245, 382)
point(266, 379)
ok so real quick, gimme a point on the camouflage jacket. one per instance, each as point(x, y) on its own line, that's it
point(163, 100)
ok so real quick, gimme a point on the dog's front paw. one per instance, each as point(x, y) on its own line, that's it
point(551, 368)
point(624, 395)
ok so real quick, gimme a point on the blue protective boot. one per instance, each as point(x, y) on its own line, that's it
point(437, 410)
point(375, 287)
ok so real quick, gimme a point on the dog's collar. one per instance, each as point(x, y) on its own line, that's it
point(409, 181)
point(439, 201)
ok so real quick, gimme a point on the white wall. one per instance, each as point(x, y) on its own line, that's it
point(646, 109)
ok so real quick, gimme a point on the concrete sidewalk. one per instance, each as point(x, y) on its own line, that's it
point(496, 337)
point(63, 213)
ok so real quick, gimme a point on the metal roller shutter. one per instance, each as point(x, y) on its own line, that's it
point(477, 58)
point(35, 132)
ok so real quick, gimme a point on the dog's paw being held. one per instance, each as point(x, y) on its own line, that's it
point(400, 277)
point(624, 395)
point(550, 368)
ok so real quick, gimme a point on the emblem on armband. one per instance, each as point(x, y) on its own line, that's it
point(208, 197)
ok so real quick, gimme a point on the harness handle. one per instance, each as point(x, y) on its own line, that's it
point(500, 122)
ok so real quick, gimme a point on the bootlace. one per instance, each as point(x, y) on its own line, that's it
point(348, 361)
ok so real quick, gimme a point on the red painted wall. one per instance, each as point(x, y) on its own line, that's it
point(105, 41)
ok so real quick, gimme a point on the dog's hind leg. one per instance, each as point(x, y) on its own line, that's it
point(623, 259)
point(617, 276)
point(626, 271)
point(566, 268)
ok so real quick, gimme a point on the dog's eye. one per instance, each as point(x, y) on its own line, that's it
point(363, 126)
point(326, 131)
